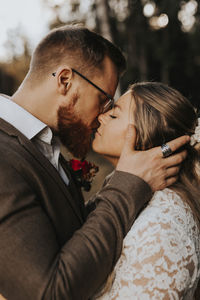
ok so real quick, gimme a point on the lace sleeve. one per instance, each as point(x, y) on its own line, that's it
point(159, 260)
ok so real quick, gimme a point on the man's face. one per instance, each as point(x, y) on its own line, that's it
point(78, 119)
point(73, 133)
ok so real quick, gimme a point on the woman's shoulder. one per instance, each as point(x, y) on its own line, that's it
point(166, 228)
point(169, 204)
point(168, 198)
point(161, 252)
point(167, 213)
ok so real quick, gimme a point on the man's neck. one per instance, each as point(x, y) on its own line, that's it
point(37, 103)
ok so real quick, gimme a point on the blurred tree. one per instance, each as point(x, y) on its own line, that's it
point(16, 67)
point(71, 11)
point(7, 82)
point(103, 25)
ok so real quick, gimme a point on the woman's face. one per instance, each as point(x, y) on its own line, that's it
point(110, 136)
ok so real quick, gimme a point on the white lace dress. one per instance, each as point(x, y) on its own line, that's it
point(161, 253)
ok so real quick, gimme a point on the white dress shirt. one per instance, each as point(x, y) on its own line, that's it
point(35, 130)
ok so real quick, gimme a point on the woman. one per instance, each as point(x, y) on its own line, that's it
point(161, 253)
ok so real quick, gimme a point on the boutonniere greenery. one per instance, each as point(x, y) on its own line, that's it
point(84, 172)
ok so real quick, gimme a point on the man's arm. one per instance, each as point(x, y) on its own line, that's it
point(93, 201)
point(32, 264)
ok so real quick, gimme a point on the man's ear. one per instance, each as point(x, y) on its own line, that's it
point(64, 78)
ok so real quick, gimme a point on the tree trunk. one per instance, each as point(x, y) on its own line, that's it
point(102, 14)
point(143, 64)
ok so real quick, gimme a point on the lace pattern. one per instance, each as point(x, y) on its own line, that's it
point(161, 253)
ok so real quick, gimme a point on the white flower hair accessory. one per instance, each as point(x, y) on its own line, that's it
point(195, 138)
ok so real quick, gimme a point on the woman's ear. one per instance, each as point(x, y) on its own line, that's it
point(64, 78)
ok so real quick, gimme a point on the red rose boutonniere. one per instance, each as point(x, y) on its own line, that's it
point(84, 172)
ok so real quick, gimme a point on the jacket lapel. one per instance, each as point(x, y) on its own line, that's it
point(44, 162)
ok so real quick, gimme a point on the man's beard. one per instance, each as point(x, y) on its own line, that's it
point(73, 133)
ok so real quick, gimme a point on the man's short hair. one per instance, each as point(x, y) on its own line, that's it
point(77, 47)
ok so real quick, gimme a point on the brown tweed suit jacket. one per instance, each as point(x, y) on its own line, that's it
point(50, 248)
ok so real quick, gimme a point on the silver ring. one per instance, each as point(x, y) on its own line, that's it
point(166, 150)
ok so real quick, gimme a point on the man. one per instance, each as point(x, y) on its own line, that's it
point(51, 248)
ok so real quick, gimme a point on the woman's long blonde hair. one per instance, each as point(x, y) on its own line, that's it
point(161, 115)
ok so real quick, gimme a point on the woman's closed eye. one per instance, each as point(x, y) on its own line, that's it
point(112, 116)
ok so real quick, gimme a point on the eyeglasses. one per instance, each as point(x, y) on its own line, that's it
point(110, 101)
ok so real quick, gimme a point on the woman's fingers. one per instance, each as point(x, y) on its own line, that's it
point(177, 143)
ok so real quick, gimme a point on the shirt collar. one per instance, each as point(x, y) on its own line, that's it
point(45, 135)
point(20, 118)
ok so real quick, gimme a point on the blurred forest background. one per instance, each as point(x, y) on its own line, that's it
point(160, 39)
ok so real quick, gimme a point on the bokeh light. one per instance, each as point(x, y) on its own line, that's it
point(159, 22)
point(186, 14)
point(149, 9)
point(163, 20)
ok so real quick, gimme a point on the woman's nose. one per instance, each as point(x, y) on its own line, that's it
point(101, 118)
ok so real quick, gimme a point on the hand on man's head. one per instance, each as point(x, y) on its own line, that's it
point(150, 165)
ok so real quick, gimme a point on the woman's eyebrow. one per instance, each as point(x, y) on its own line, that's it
point(117, 106)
